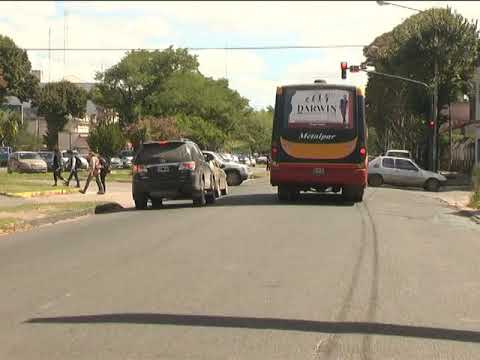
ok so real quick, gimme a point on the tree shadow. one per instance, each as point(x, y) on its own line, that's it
point(333, 327)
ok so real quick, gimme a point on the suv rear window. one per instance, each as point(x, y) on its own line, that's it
point(163, 153)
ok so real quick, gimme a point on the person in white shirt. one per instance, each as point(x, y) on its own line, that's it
point(94, 172)
point(74, 166)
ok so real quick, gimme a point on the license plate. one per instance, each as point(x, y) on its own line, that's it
point(318, 171)
point(163, 169)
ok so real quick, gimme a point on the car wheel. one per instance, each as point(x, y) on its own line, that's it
point(217, 189)
point(432, 185)
point(211, 196)
point(140, 201)
point(233, 178)
point(294, 194)
point(157, 203)
point(375, 180)
point(225, 190)
point(200, 199)
point(353, 194)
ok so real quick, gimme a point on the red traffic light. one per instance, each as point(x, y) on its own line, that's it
point(343, 67)
point(431, 124)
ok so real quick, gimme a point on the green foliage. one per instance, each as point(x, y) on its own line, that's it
point(106, 139)
point(256, 130)
point(57, 102)
point(128, 86)
point(10, 124)
point(15, 67)
point(205, 133)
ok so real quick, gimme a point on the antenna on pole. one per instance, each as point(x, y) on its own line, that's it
point(49, 54)
point(65, 14)
point(226, 60)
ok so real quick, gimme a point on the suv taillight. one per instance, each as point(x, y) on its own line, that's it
point(139, 169)
point(189, 165)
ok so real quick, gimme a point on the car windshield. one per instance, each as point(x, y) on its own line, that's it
point(47, 156)
point(164, 152)
point(29, 156)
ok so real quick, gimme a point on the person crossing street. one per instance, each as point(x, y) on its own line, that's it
point(57, 166)
point(94, 172)
point(74, 165)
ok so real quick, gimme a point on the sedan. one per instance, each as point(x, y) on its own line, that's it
point(403, 172)
point(26, 161)
point(116, 162)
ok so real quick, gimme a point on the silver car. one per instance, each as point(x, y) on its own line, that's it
point(400, 171)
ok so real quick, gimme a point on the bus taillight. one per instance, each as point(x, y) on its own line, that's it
point(274, 152)
point(363, 152)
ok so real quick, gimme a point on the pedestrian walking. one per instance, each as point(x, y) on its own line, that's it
point(93, 172)
point(57, 166)
point(269, 163)
point(104, 171)
point(74, 164)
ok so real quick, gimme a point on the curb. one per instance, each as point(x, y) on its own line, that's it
point(68, 215)
point(30, 194)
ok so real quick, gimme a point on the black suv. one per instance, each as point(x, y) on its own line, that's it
point(172, 170)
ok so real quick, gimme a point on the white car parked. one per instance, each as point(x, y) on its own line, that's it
point(401, 171)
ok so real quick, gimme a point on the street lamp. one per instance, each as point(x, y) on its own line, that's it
point(434, 160)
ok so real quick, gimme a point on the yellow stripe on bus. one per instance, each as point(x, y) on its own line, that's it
point(318, 151)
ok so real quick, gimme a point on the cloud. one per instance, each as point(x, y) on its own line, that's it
point(159, 24)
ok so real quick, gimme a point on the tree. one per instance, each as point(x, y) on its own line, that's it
point(256, 130)
point(15, 72)
point(58, 102)
point(10, 125)
point(398, 110)
point(127, 86)
point(106, 139)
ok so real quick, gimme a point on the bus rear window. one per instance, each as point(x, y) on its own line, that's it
point(319, 108)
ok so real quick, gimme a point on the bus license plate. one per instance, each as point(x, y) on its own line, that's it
point(163, 169)
point(318, 171)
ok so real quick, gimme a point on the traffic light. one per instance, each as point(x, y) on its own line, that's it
point(430, 124)
point(343, 67)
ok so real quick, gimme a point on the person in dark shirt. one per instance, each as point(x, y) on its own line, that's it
point(57, 166)
point(104, 171)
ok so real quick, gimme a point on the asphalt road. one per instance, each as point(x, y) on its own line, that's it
point(397, 277)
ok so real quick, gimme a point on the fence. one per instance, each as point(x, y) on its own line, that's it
point(463, 155)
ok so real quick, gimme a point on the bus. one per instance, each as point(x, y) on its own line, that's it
point(319, 141)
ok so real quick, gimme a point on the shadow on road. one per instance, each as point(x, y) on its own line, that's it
point(341, 327)
point(272, 200)
point(241, 200)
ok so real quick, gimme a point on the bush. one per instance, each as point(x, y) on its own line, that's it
point(106, 139)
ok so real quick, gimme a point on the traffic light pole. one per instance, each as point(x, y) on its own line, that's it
point(432, 161)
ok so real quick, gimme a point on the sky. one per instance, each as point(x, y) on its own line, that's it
point(253, 73)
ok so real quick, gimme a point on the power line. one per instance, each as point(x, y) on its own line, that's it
point(206, 48)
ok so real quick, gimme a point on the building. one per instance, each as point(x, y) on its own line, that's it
point(75, 133)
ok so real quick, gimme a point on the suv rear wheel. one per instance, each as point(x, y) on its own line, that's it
point(140, 201)
point(157, 203)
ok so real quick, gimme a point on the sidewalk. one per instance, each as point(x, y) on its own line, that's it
point(458, 199)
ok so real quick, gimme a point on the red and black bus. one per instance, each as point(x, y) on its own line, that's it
point(319, 140)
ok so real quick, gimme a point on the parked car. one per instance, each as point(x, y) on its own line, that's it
point(5, 152)
point(127, 157)
point(236, 173)
point(116, 163)
point(243, 159)
point(175, 169)
point(48, 157)
point(262, 160)
point(399, 153)
point(403, 172)
point(26, 161)
point(66, 160)
point(220, 176)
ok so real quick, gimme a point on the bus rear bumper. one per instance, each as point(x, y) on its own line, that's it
point(305, 175)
